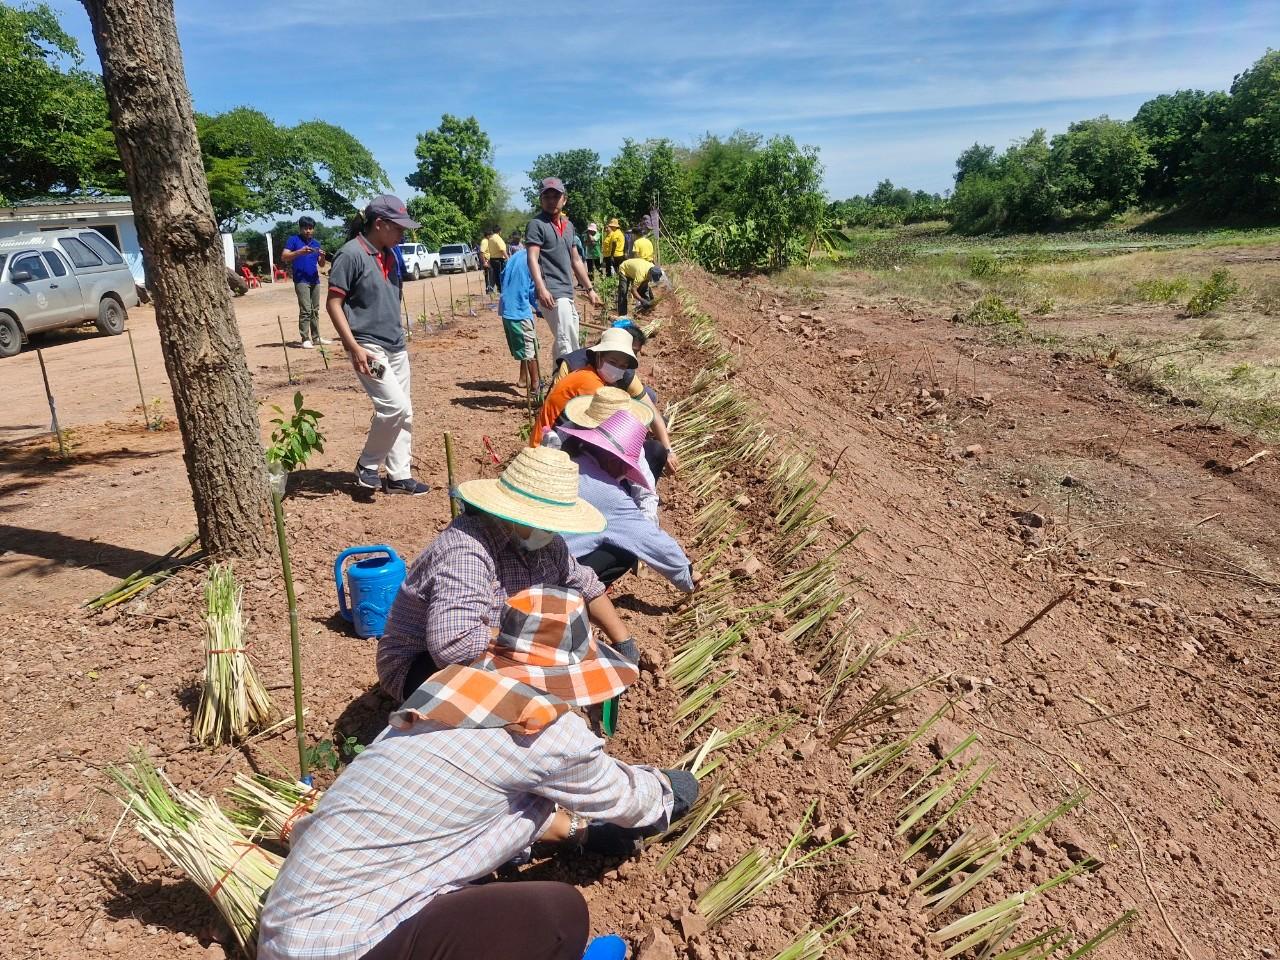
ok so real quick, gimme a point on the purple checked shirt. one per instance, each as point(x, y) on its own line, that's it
point(451, 601)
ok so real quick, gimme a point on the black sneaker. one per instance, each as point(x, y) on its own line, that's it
point(367, 478)
point(408, 485)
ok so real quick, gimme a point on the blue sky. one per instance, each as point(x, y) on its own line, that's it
point(885, 90)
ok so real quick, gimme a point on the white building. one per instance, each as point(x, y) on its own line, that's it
point(110, 216)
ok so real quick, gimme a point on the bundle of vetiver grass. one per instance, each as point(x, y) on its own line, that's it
point(233, 700)
point(194, 833)
point(269, 807)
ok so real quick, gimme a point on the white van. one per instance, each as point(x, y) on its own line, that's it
point(61, 278)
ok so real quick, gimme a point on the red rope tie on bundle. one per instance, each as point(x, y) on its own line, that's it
point(229, 650)
point(301, 810)
point(213, 891)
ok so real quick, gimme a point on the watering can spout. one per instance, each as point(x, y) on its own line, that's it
point(371, 584)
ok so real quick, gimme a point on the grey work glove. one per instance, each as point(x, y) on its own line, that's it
point(611, 840)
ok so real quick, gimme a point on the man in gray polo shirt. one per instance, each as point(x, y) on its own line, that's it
point(553, 264)
point(364, 305)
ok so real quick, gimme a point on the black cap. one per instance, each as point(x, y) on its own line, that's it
point(390, 208)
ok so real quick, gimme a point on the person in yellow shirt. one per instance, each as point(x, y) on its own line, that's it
point(494, 249)
point(614, 243)
point(642, 246)
point(641, 274)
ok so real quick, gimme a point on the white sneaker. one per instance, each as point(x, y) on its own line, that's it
point(326, 341)
point(306, 345)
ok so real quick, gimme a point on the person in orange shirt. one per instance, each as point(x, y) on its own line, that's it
point(610, 361)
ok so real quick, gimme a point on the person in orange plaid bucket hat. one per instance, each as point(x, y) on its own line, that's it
point(481, 761)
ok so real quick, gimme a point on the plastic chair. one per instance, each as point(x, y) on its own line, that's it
point(249, 276)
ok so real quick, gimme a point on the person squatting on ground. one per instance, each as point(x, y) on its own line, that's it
point(613, 247)
point(515, 306)
point(506, 540)
point(482, 761)
point(614, 478)
point(364, 306)
point(495, 249)
point(640, 275)
point(553, 263)
point(610, 362)
point(303, 254)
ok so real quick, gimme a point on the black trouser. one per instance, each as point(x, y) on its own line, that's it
point(610, 563)
point(643, 300)
point(420, 667)
point(656, 455)
point(496, 266)
point(593, 264)
point(529, 919)
point(611, 265)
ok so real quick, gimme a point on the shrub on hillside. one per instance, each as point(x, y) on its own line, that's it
point(1213, 293)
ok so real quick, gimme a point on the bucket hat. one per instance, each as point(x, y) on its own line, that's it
point(592, 409)
point(542, 661)
point(615, 340)
point(621, 436)
point(613, 223)
point(592, 228)
point(539, 488)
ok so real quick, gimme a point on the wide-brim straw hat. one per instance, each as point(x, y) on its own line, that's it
point(592, 409)
point(622, 437)
point(542, 660)
point(539, 489)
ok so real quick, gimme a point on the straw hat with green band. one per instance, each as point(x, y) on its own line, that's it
point(592, 409)
point(539, 489)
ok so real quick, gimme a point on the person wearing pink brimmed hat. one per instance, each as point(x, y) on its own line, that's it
point(483, 760)
point(610, 459)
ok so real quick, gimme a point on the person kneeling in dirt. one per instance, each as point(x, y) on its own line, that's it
point(505, 541)
point(481, 762)
point(611, 472)
point(640, 275)
point(610, 362)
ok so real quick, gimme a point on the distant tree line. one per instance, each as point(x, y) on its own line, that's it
point(1215, 155)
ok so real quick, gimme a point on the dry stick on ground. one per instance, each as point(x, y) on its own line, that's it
point(1115, 716)
point(1133, 834)
point(1042, 613)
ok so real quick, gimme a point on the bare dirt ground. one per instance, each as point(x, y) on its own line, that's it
point(1016, 478)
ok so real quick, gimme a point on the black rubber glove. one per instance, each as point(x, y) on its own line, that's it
point(685, 786)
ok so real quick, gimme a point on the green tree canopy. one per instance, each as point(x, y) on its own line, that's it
point(715, 170)
point(975, 160)
point(583, 181)
point(442, 221)
point(1172, 125)
point(55, 135)
point(455, 173)
point(644, 174)
point(258, 169)
point(1099, 167)
point(781, 193)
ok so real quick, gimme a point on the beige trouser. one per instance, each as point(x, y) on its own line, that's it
point(390, 439)
point(563, 321)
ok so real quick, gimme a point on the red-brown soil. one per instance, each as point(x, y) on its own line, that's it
point(1174, 617)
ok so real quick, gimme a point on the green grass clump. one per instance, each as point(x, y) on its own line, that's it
point(991, 311)
point(1159, 290)
point(1213, 293)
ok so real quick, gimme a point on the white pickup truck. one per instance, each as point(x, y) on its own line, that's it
point(419, 261)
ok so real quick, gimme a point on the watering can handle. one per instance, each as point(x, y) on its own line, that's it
point(337, 573)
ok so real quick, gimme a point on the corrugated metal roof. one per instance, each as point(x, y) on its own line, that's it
point(62, 200)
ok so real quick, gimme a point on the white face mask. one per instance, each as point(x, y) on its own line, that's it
point(536, 540)
point(609, 373)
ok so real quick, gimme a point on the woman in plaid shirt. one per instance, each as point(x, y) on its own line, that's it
point(507, 541)
point(479, 763)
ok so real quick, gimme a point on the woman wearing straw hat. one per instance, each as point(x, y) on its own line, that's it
point(611, 361)
point(504, 542)
point(611, 470)
point(480, 762)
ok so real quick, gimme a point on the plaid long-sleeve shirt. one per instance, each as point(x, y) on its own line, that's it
point(452, 598)
point(424, 812)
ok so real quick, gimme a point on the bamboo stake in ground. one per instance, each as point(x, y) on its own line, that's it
point(53, 407)
point(454, 507)
point(439, 313)
point(295, 653)
point(288, 368)
point(142, 397)
point(453, 312)
point(1044, 611)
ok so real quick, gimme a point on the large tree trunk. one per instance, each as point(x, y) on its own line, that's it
point(155, 131)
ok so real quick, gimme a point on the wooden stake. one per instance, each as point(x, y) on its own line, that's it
point(142, 397)
point(1036, 619)
point(53, 407)
point(288, 368)
point(455, 507)
point(453, 314)
point(295, 653)
point(436, 297)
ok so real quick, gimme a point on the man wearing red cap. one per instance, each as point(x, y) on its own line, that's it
point(554, 262)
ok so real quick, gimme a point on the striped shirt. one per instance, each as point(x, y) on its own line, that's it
point(451, 601)
point(425, 812)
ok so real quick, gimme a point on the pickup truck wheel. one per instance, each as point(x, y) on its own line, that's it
point(417, 274)
point(111, 317)
point(10, 335)
point(435, 269)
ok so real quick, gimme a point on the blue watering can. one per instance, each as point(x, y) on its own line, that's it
point(372, 584)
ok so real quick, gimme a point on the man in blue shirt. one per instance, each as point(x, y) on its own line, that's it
point(515, 305)
point(303, 254)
